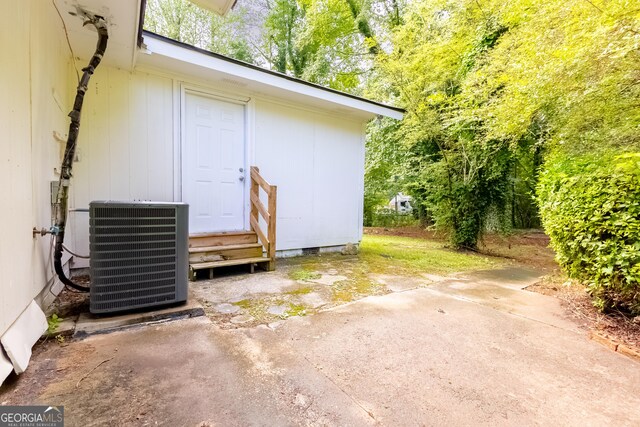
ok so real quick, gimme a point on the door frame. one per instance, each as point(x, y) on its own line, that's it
point(248, 105)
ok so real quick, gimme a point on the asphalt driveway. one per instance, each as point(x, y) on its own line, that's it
point(476, 350)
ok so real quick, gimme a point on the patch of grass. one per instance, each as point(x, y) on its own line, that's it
point(304, 275)
point(296, 310)
point(256, 308)
point(301, 291)
point(342, 295)
point(404, 255)
point(245, 303)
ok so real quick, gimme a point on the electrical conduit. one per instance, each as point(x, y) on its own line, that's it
point(58, 229)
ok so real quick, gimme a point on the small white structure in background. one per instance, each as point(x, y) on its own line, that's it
point(401, 203)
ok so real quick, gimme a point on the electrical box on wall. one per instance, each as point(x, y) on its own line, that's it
point(55, 186)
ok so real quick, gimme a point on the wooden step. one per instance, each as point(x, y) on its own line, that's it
point(221, 253)
point(229, 262)
point(222, 239)
point(224, 247)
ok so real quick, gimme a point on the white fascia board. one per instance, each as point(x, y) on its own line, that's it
point(156, 46)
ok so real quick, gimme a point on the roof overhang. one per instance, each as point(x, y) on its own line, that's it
point(221, 7)
point(229, 74)
point(123, 19)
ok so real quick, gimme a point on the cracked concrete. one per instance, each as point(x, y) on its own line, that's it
point(472, 350)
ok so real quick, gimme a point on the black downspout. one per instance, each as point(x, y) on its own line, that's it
point(70, 149)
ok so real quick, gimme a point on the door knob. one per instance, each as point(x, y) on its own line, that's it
point(241, 170)
point(241, 178)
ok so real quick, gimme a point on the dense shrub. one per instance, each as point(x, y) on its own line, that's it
point(389, 218)
point(371, 203)
point(465, 187)
point(590, 207)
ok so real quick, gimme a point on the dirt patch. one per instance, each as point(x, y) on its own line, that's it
point(576, 300)
point(413, 231)
point(526, 247)
point(69, 302)
point(43, 369)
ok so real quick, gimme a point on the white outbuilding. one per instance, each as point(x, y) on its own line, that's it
point(162, 121)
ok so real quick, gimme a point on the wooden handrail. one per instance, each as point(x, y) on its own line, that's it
point(268, 213)
point(255, 200)
point(255, 225)
point(255, 176)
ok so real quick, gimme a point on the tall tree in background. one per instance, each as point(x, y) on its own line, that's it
point(179, 20)
point(492, 88)
point(237, 35)
point(283, 24)
point(329, 42)
point(456, 173)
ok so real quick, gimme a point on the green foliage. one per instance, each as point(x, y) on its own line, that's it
point(590, 207)
point(231, 35)
point(389, 218)
point(53, 322)
point(330, 42)
point(283, 24)
point(384, 159)
point(455, 173)
point(489, 86)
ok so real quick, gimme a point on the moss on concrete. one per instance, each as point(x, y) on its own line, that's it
point(245, 303)
point(400, 257)
point(296, 310)
point(304, 274)
point(301, 291)
point(356, 288)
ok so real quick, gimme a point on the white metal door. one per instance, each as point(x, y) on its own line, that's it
point(213, 164)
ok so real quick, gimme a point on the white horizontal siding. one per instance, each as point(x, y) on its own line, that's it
point(125, 148)
point(317, 163)
point(34, 103)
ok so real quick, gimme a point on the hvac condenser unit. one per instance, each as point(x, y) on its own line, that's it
point(139, 255)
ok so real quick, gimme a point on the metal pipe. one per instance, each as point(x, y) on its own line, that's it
point(58, 229)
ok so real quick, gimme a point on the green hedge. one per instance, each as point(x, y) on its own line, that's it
point(590, 207)
point(389, 218)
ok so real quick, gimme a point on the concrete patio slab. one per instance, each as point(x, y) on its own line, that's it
point(226, 308)
point(445, 355)
point(329, 279)
point(422, 358)
point(88, 324)
point(238, 287)
point(502, 290)
point(314, 300)
point(399, 283)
